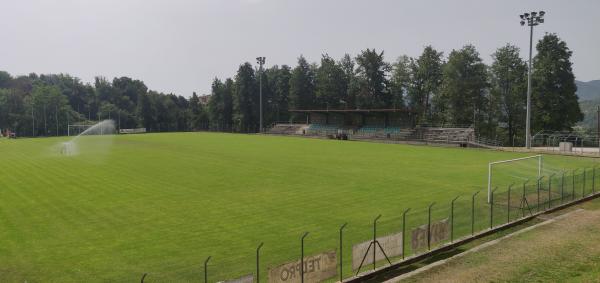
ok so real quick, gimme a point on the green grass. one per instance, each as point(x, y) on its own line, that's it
point(162, 203)
point(563, 251)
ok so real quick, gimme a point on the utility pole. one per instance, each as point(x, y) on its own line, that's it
point(261, 62)
point(32, 122)
point(531, 20)
point(45, 124)
point(598, 127)
point(56, 118)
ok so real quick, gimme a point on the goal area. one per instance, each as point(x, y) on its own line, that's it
point(76, 129)
point(518, 170)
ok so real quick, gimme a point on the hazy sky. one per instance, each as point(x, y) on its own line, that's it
point(180, 46)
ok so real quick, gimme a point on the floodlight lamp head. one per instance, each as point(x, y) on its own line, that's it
point(521, 16)
point(533, 14)
point(542, 13)
point(541, 20)
point(526, 15)
point(522, 23)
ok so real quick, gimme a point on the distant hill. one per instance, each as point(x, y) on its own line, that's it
point(589, 99)
point(588, 90)
point(588, 107)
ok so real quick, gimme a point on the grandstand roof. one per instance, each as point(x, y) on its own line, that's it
point(352, 110)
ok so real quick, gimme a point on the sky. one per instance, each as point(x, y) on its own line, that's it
point(180, 46)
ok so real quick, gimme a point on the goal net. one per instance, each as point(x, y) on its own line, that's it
point(106, 127)
point(76, 129)
point(517, 171)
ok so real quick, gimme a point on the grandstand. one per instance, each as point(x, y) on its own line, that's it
point(390, 125)
point(288, 129)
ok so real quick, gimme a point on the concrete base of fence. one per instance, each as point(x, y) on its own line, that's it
point(478, 248)
point(459, 242)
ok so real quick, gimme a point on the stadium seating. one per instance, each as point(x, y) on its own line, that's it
point(322, 129)
point(287, 129)
point(447, 135)
point(370, 132)
point(379, 132)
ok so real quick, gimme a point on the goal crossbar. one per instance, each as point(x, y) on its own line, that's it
point(80, 127)
point(491, 164)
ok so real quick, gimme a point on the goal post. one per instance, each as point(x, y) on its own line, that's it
point(76, 129)
point(539, 157)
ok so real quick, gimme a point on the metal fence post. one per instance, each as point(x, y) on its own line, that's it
point(473, 212)
point(524, 199)
point(341, 255)
point(492, 207)
point(508, 204)
point(375, 238)
point(302, 257)
point(539, 180)
point(429, 226)
point(404, 229)
point(562, 187)
point(452, 219)
point(583, 187)
point(594, 180)
point(206, 269)
point(573, 188)
point(550, 189)
point(257, 262)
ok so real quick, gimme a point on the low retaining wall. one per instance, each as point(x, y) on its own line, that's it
point(447, 247)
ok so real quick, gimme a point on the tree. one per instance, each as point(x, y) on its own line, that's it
point(426, 81)
point(245, 102)
point(281, 93)
point(352, 89)
point(330, 84)
point(228, 93)
point(508, 75)
point(554, 102)
point(268, 93)
point(183, 114)
point(5, 80)
point(108, 110)
point(215, 104)
point(145, 112)
point(104, 90)
point(302, 88)
point(12, 110)
point(129, 89)
point(44, 104)
point(220, 104)
point(372, 74)
point(198, 117)
point(51, 108)
point(400, 81)
point(463, 96)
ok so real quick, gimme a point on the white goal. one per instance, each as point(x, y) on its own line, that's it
point(517, 168)
point(76, 129)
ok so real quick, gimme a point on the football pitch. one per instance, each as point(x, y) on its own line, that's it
point(162, 203)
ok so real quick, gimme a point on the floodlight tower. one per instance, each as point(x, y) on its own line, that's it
point(531, 19)
point(261, 62)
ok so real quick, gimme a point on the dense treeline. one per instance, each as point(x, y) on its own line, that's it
point(455, 90)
